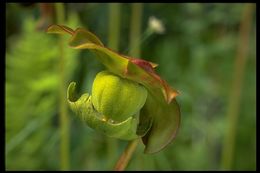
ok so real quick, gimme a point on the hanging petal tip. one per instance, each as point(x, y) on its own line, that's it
point(172, 94)
point(154, 65)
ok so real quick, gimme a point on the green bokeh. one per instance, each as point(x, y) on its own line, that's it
point(196, 55)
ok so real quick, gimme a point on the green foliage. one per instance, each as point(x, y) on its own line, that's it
point(32, 76)
point(196, 55)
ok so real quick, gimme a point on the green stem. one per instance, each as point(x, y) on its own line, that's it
point(234, 100)
point(113, 43)
point(135, 29)
point(126, 155)
point(146, 34)
point(63, 116)
point(114, 25)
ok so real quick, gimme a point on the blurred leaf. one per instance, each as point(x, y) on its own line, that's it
point(32, 94)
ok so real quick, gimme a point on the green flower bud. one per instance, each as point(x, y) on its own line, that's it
point(117, 98)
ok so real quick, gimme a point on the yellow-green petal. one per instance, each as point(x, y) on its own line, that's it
point(84, 109)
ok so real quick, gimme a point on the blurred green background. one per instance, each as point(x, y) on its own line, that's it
point(206, 51)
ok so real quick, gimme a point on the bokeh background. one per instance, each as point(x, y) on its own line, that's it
point(206, 51)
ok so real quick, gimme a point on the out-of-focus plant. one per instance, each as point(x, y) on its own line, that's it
point(31, 97)
point(155, 25)
point(129, 100)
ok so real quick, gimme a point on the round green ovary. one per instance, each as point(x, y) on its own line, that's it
point(117, 98)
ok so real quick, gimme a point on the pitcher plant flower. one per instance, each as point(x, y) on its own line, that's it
point(129, 100)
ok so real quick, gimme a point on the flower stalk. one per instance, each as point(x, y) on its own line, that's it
point(126, 155)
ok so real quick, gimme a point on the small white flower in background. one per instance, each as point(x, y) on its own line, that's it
point(156, 25)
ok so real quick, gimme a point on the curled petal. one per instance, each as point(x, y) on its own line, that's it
point(84, 109)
